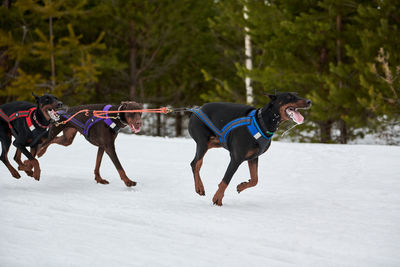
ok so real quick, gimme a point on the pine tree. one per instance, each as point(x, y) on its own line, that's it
point(377, 63)
point(54, 60)
point(304, 50)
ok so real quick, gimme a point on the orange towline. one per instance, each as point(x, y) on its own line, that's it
point(104, 114)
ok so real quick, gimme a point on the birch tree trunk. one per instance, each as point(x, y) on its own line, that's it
point(249, 62)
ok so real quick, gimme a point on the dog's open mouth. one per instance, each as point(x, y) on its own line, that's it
point(53, 114)
point(133, 128)
point(295, 115)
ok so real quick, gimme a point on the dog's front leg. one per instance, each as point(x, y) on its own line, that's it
point(253, 168)
point(232, 168)
point(31, 162)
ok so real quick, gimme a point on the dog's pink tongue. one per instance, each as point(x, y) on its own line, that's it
point(134, 129)
point(297, 117)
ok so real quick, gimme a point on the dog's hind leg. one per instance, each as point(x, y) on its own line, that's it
point(110, 150)
point(5, 140)
point(65, 139)
point(253, 168)
point(97, 177)
point(196, 165)
point(204, 141)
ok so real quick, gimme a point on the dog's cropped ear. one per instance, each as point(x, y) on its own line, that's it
point(272, 97)
point(124, 104)
point(131, 105)
point(36, 97)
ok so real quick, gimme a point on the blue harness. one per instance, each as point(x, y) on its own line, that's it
point(90, 122)
point(249, 121)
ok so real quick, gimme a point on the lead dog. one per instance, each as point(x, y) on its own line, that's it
point(243, 130)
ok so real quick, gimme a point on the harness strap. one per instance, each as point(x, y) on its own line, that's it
point(29, 121)
point(5, 117)
point(108, 121)
point(200, 114)
point(73, 120)
point(233, 124)
point(19, 114)
point(90, 122)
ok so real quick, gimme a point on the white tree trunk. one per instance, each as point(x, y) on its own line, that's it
point(249, 62)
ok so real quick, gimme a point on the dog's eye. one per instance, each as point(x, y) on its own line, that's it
point(291, 96)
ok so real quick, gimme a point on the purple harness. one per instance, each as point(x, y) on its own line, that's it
point(90, 122)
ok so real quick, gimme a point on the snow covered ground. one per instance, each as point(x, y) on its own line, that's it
point(315, 205)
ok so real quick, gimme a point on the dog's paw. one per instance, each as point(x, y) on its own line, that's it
point(29, 173)
point(129, 183)
point(200, 191)
point(15, 174)
point(36, 176)
point(241, 187)
point(217, 199)
point(199, 187)
point(101, 181)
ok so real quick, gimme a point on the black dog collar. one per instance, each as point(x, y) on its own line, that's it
point(119, 116)
point(262, 124)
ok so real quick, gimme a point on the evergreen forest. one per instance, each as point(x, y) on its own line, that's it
point(342, 54)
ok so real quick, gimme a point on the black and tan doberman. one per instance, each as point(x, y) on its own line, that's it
point(29, 124)
point(243, 130)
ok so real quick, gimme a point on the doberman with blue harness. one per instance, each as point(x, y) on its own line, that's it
point(243, 130)
point(28, 124)
point(100, 132)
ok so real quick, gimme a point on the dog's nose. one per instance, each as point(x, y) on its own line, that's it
point(309, 102)
point(59, 104)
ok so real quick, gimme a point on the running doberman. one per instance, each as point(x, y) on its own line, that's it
point(29, 124)
point(243, 130)
point(100, 132)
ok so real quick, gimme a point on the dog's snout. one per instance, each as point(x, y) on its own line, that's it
point(308, 102)
point(59, 104)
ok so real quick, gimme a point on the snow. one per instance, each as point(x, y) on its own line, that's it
point(315, 205)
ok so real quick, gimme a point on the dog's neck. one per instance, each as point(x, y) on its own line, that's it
point(40, 118)
point(270, 117)
point(121, 116)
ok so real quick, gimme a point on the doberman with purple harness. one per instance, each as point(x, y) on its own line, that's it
point(100, 132)
point(90, 122)
point(243, 130)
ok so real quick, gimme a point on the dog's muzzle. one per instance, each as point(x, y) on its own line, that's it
point(295, 115)
point(53, 114)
